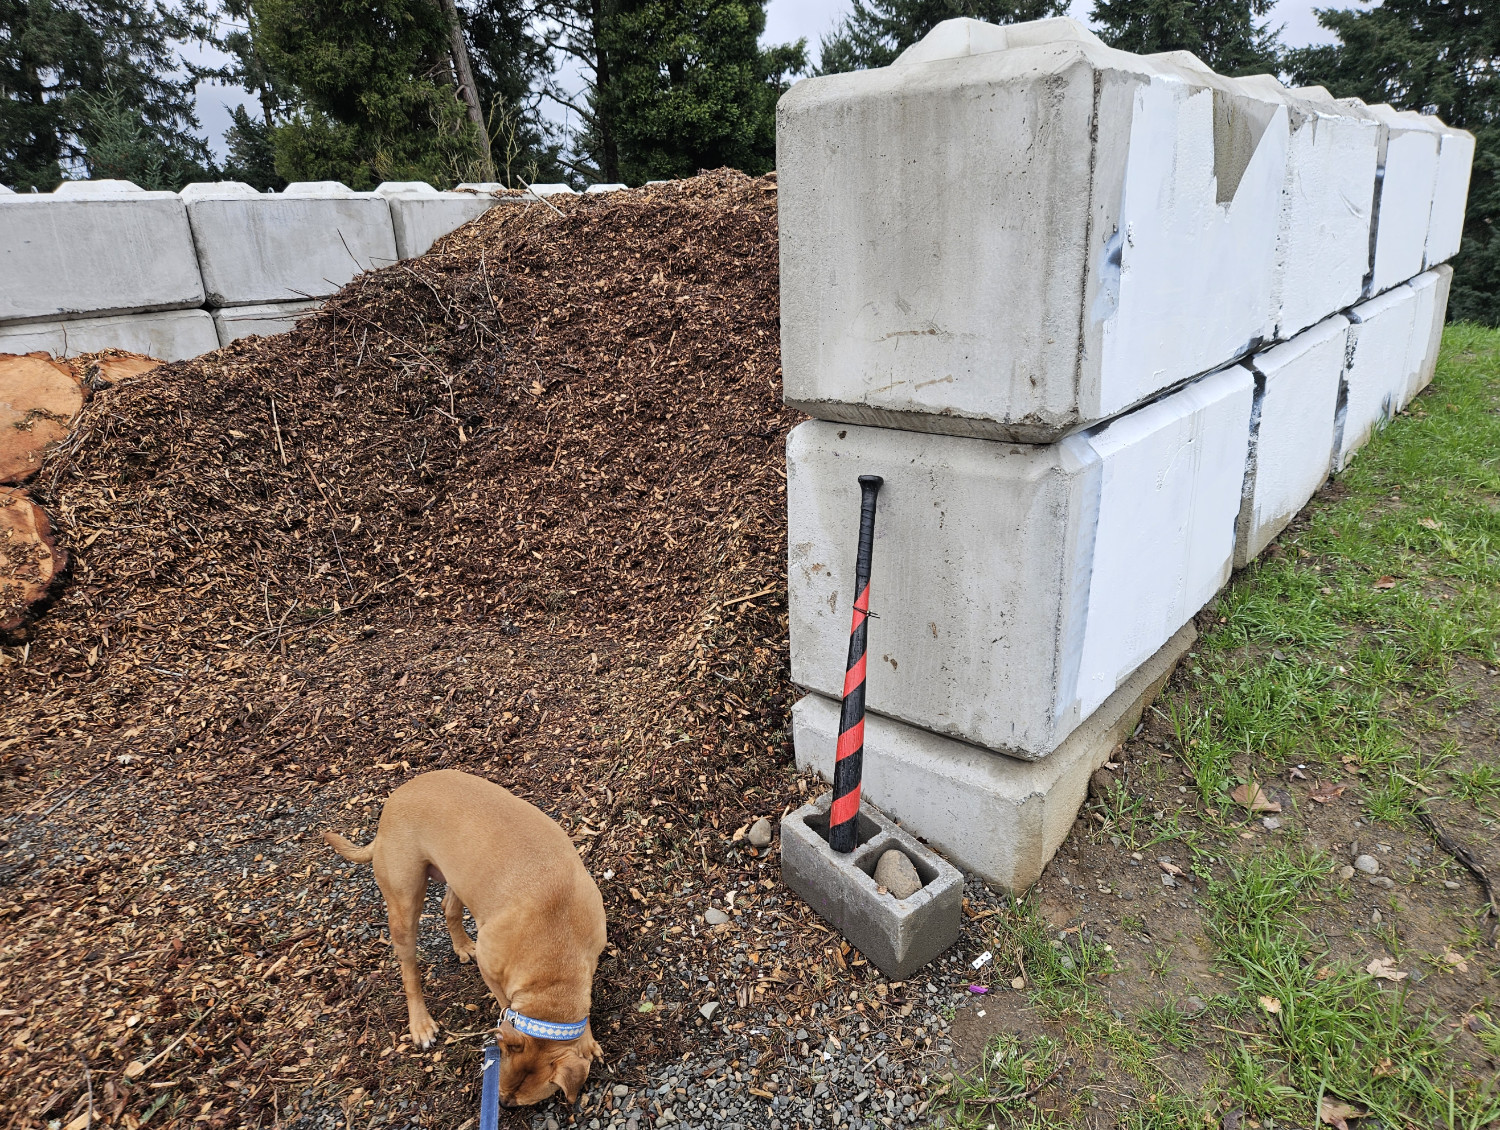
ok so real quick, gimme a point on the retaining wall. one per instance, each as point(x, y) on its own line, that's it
point(1117, 318)
point(101, 264)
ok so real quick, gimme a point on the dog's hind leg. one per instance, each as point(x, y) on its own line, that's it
point(453, 914)
point(404, 908)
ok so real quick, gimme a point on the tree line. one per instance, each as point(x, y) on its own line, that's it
point(519, 91)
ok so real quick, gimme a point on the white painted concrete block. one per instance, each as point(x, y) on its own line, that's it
point(1429, 315)
point(6, 190)
point(235, 322)
point(97, 189)
point(1376, 374)
point(287, 246)
point(420, 218)
point(597, 189)
point(171, 335)
point(1450, 194)
point(1327, 201)
point(1291, 432)
point(1403, 200)
point(481, 186)
point(219, 189)
point(995, 817)
point(319, 189)
point(541, 190)
point(404, 188)
point(1114, 233)
point(1015, 585)
point(94, 250)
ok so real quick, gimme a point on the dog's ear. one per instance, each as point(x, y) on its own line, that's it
point(570, 1072)
point(511, 1040)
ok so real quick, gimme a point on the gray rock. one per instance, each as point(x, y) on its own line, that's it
point(1451, 885)
point(709, 1009)
point(1384, 881)
point(1270, 823)
point(896, 874)
point(619, 1090)
point(1167, 880)
point(760, 833)
point(714, 916)
point(1346, 872)
point(1192, 1006)
point(1368, 864)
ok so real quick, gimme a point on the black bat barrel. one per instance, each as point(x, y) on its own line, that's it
point(848, 765)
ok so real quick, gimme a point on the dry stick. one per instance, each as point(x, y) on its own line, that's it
point(1461, 853)
point(543, 199)
point(1023, 1096)
point(276, 425)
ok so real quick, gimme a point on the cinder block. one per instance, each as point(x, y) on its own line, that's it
point(169, 335)
point(1291, 432)
point(897, 936)
point(1010, 243)
point(996, 817)
point(1429, 314)
point(421, 215)
point(1376, 374)
point(1015, 586)
point(1327, 200)
point(96, 248)
point(1450, 194)
point(235, 322)
point(1403, 197)
point(280, 247)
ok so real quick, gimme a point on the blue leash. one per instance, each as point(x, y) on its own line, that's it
point(489, 1099)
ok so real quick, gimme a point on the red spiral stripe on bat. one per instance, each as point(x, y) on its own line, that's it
point(844, 808)
point(851, 740)
point(861, 609)
point(854, 676)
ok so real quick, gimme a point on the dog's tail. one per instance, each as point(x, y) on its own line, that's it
point(349, 851)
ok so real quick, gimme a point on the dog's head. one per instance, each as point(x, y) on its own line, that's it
point(532, 1069)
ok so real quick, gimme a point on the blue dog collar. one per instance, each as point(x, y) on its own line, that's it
point(544, 1029)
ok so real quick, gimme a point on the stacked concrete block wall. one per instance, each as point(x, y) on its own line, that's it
point(1103, 324)
point(104, 264)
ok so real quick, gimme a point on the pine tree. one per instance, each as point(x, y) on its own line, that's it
point(876, 31)
point(95, 88)
point(1225, 34)
point(377, 92)
point(512, 65)
point(1440, 57)
point(691, 88)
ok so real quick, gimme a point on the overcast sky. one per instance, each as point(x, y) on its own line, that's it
point(788, 20)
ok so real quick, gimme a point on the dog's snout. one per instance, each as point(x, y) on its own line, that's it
point(508, 1101)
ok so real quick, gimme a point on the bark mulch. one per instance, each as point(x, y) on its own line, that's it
point(515, 507)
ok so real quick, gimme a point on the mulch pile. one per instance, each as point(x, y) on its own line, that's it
point(515, 507)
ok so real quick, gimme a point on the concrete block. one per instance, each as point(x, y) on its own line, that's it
point(596, 189)
point(541, 190)
point(481, 186)
point(1016, 586)
point(1291, 432)
point(898, 937)
point(420, 218)
point(235, 322)
point(169, 335)
point(282, 247)
point(404, 188)
point(1327, 202)
point(6, 190)
point(1450, 194)
point(1376, 374)
point(1115, 233)
point(996, 817)
point(221, 189)
point(1403, 196)
point(1429, 314)
point(99, 248)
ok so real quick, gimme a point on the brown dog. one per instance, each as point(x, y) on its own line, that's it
point(539, 914)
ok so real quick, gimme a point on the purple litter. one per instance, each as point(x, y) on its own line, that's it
point(978, 989)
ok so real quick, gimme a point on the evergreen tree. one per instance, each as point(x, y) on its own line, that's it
point(511, 66)
point(377, 92)
point(95, 88)
point(1440, 57)
point(876, 31)
point(692, 89)
point(1225, 34)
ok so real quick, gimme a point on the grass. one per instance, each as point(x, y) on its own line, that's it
point(1343, 651)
